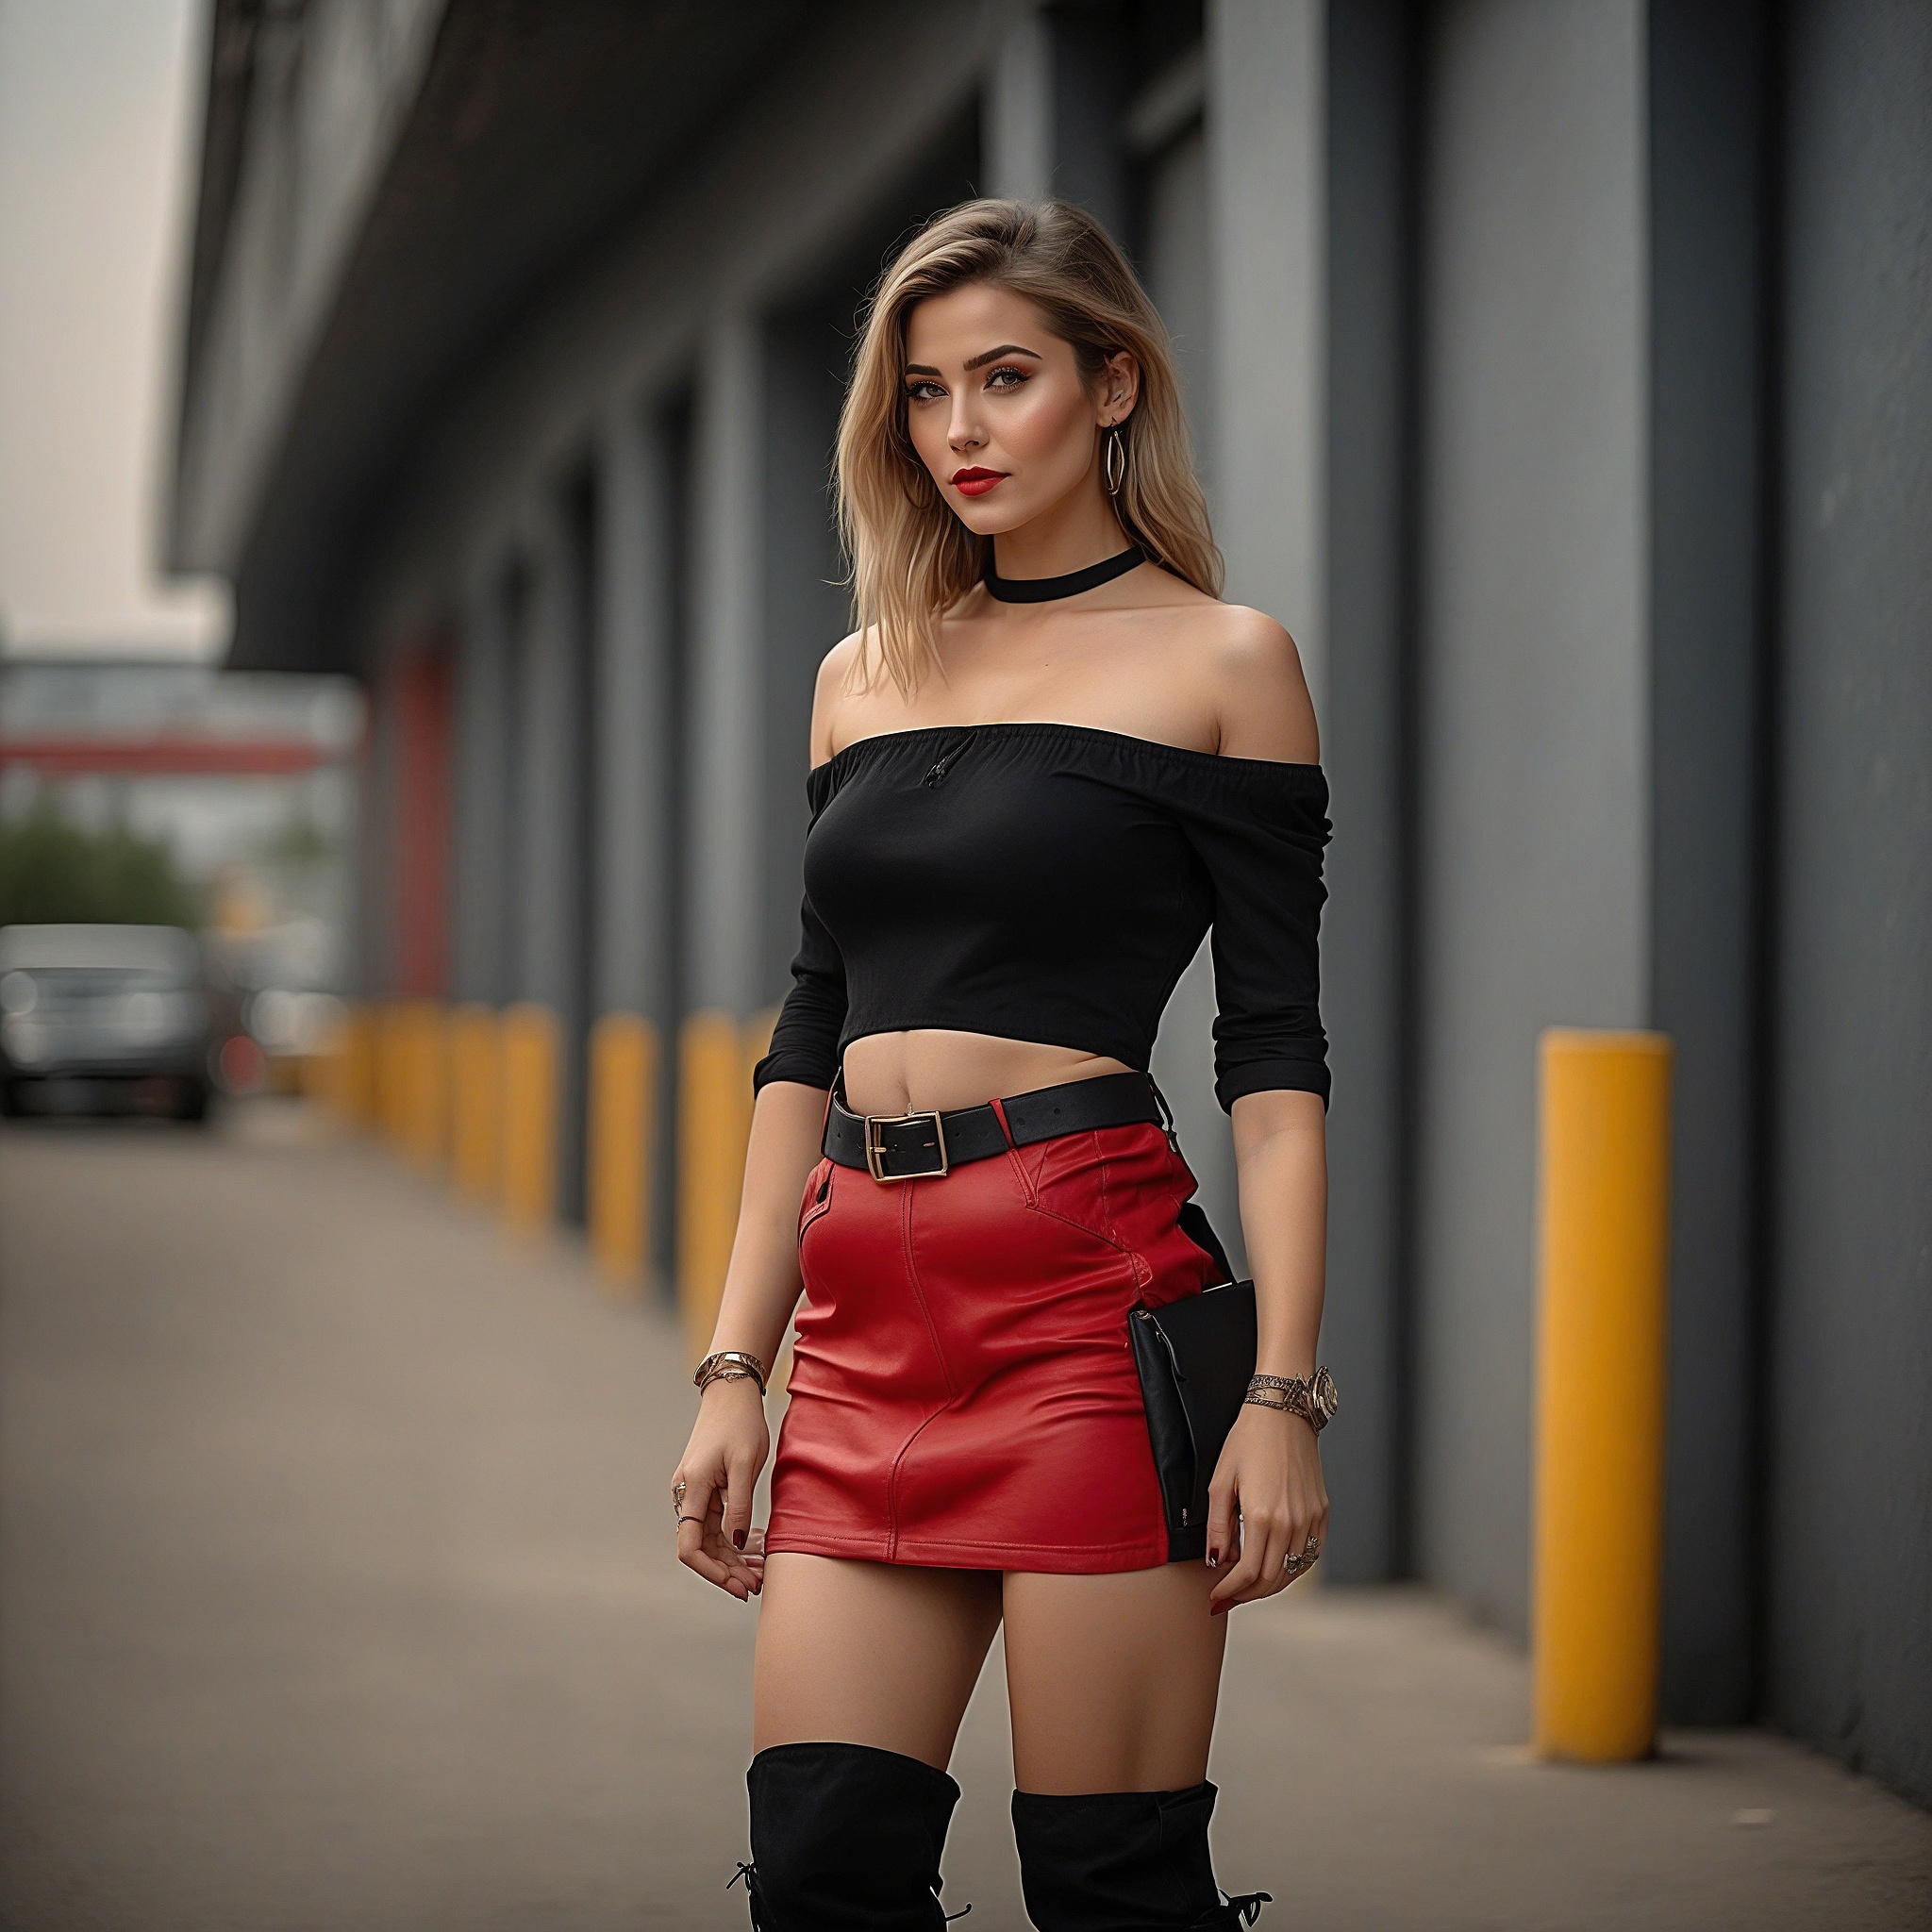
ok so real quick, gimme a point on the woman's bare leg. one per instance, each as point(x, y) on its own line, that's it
point(877, 1653)
point(1113, 1679)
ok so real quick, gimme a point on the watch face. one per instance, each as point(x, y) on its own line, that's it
point(1322, 1396)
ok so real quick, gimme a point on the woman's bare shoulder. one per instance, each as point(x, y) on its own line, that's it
point(839, 679)
point(1255, 683)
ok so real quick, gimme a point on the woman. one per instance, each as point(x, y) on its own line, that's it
point(1045, 761)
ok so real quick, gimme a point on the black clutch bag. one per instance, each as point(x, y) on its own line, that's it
point(1195, 1357)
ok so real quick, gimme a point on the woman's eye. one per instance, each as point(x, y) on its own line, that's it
point(1005, 379)
point(923, 391)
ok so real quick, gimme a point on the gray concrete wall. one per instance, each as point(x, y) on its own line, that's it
point(1533, 809)
point(1850, 1431)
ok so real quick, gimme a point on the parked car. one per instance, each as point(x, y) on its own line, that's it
point(104, 1019)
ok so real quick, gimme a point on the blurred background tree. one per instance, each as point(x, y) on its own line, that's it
point(53, 871)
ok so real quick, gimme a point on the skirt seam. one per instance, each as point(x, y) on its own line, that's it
point(892, 1481)
point(1106, 1203)
point(932, 1336)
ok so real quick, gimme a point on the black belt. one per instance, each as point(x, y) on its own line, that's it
point(904, 1146)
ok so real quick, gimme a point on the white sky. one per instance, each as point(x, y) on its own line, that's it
point(99, 105)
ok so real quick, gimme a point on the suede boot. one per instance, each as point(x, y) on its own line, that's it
point(846, 1839)
point(1124, 1861)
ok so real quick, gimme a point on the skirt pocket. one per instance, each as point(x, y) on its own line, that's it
point(1069, 1185)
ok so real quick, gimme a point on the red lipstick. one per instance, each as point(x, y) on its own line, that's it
point(977, 482)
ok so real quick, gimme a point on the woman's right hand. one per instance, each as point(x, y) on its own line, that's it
point(721, 1465)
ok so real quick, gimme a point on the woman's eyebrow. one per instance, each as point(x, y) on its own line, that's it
point(1004, 349)
point(978, 361)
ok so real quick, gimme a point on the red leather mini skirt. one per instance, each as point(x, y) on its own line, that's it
point(963, 1391)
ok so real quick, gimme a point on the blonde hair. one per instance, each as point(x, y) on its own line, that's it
point(911, 558)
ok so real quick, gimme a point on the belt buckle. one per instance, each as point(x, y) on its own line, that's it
point(875, 1150)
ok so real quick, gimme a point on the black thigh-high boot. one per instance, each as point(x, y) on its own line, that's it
point(1124, 1861)
point(846, 1839)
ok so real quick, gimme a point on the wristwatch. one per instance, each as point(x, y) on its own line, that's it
point(1314, 1401)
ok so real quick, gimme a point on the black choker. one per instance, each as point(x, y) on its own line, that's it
point(1044, 589)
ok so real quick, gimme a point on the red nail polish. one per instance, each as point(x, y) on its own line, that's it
point(738, 1538)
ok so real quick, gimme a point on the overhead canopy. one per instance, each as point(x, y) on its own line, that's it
point(535, 126)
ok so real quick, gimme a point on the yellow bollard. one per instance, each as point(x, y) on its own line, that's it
point(361, 1057)
point(623, 1117)
point(326, 1072)
point(476, 1103)
point(422, 1101)
point(1602, 1352)
point(392, 1073)
point(529, 1048)
point(713, 1119)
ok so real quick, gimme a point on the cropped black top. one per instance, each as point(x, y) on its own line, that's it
point(1051, 882)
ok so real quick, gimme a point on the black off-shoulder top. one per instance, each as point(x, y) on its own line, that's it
point(1051, 882)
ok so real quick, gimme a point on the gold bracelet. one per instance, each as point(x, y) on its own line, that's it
point(1314, 1400)
point(731, 1365)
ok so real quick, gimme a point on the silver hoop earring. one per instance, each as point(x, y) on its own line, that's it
point(1114, 463)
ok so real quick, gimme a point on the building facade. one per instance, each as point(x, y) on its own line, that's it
point(1562, 377)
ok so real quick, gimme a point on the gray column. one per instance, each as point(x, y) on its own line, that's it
point(543, 908)
point(722, 941)
point(633, 722)
point(484, 768)
point(547, 911)
point(1534, 836)
point(1707, 257)
point(1266, 123)
point(1368, 552)
point(1017, 129)
point(1848, 1569)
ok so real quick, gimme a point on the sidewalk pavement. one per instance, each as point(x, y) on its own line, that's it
point(336, 1592)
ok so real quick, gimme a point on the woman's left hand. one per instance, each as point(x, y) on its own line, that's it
point(1267, 1504)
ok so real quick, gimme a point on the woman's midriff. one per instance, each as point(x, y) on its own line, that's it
point(932, 1069)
